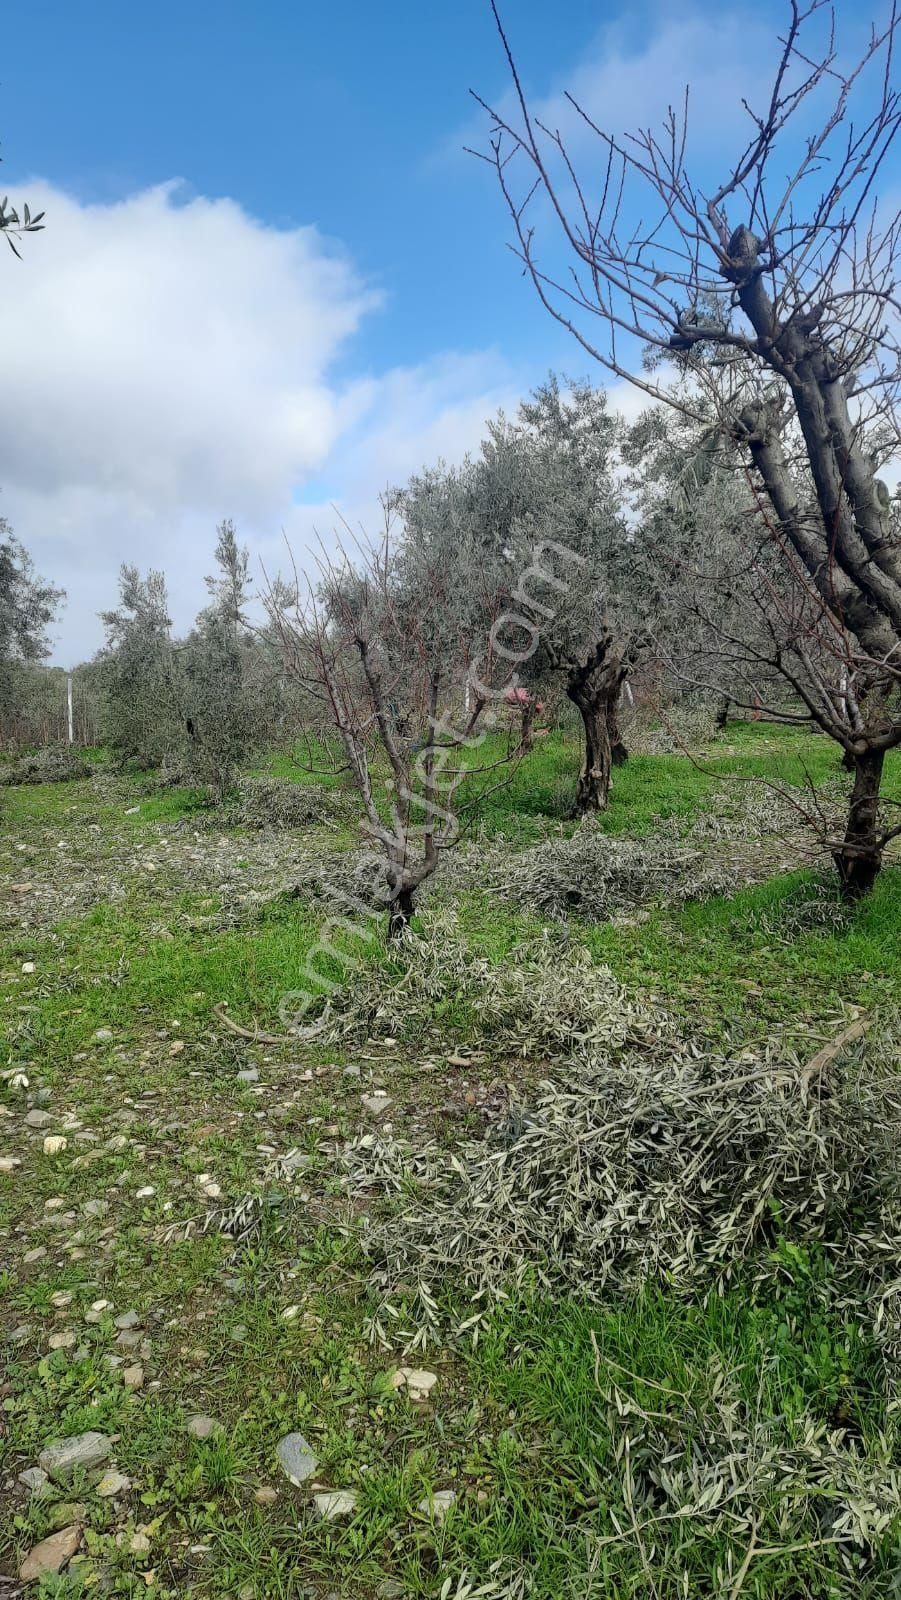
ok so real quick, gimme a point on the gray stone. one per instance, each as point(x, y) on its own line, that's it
point(294, 1161)
point(96, 1208)
point(377, 1104)
point(34, 1479)
point(296, 1459)
point(201, 1427)
point(38, 1119)
point(64, 1457)
point(128, 1319)
point(248, 1075)
point(51, 1554)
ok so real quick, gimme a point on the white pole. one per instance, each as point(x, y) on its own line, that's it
point(69, 707)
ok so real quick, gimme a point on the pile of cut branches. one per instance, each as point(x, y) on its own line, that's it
point(642, 1155)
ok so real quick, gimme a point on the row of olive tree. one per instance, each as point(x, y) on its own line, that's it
point(541, 566)
point(197, 707)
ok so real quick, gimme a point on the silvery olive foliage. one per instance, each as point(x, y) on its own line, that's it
point(138, 673)
point(217, 720)
point(646, 1152)
point(28, 605)
point(538, 517)
point(196, 707)
point(14, 223)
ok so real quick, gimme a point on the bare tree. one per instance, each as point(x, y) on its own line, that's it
point(372, 643)
point(774, 292)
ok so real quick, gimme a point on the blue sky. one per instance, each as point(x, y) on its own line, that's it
point(270, 278)
point(349, 116)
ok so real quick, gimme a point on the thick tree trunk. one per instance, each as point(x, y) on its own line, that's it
point(526, 727)
point(594, 685)
point(400, 913)
point(593, 792)
point(859, 856)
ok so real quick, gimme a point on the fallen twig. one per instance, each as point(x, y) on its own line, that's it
point(824, 1057)
point(253, 1034)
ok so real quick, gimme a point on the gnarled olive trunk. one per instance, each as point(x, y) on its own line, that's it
point(593, 790)
point(859, 856)
point(593, 684)
point(400, 912)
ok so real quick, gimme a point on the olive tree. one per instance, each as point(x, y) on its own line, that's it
point(28, 605)
point(217, 720)
point(137, 671)
point(772, 284)
point(539, 518)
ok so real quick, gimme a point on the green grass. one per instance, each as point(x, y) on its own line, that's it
point(788, 1357)
point(752, 955)
point(522, 1426)
point(648, 789)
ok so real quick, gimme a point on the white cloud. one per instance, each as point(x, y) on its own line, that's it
point(171, 360)
point(722, 56)
point(624, 85)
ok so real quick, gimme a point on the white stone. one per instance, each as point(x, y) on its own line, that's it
point(113, 1483)
point(377, 1104)
point(335, 1503)
point(417, 1382)
point(55, 1144)
point(437, 1505)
